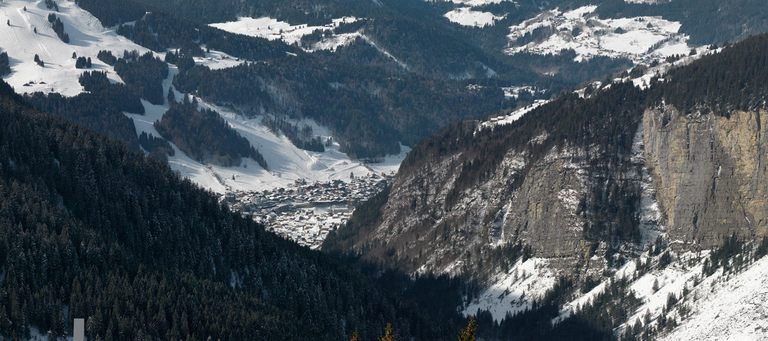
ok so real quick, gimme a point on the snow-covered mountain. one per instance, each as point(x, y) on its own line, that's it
point(596, 186)
point(633, 206)
point(29, 33)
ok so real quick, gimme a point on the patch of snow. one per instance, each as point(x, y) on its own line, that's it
point(516, 290)
point(651, 225)
point(648, 2)
point(465, 16)
point(217, 60)
point(335, 41)
point(570, 198)
point(273, 29)
point(511, 117)
point(514, 92)
point(640, 39)
point(654, 287)
point(476, 3)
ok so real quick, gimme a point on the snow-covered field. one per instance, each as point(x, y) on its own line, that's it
point(87, 37)
point(475, 3)
point(466, 16)
point(273, 29)
point(640, 39)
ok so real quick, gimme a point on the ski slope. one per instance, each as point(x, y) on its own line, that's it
point(87, 37)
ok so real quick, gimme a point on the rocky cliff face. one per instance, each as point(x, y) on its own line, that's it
point(595, 189)
point(542, 193)
point(710, 172)
point(427, 227)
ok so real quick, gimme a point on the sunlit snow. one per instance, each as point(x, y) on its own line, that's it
point(640, 39)
point(466, 16)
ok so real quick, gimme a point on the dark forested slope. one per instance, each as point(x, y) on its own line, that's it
point(89, 228)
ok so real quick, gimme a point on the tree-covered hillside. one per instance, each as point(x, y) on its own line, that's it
point(88, 228)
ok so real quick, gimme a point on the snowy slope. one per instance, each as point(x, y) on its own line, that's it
point(516, 290)
point(87, 37)
point(732, 309)
point(287, 163)
point(640, 39)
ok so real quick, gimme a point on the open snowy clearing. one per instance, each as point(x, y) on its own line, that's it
point(640, 39)
point(87, 37)
point(273, 29)
point(466, 16)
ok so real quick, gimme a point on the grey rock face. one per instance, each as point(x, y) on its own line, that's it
point(698, 178)
point(710, 173)
point(427, 227)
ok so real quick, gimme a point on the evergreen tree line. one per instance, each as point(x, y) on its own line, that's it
point(300, 137)
point(58, 27)
point(368, 111)
point(155, 146)
point(143, 74)
point(91, 111)
point(721, 83)
point(52, 5)
point(205, 136)
point(83, 62)
point(5, 63)
point(107, 57)
point(112, 95)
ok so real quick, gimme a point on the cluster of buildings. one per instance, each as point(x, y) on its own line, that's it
point(307, 212)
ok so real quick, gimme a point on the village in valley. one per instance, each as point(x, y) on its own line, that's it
point(306, 212)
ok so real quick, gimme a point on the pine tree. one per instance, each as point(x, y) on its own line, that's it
point(389, 333)
point(171, 96)
point(468, 333)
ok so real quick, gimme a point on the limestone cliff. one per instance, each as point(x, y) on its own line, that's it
point(710, 172)
point(542, 190)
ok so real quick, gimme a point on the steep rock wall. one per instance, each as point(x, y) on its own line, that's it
point(710, 172)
